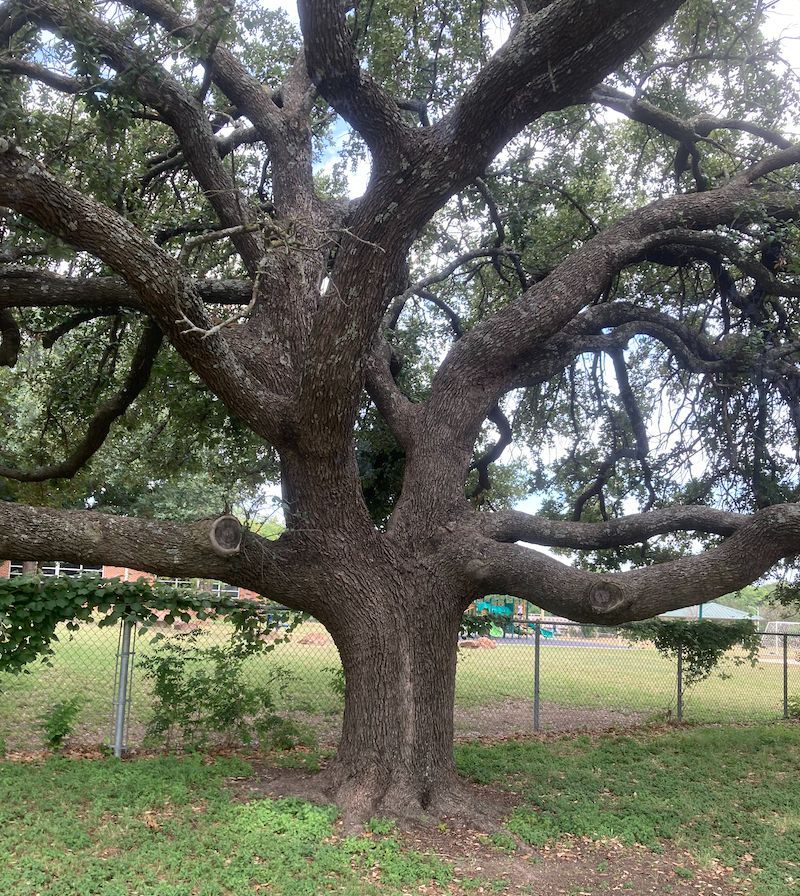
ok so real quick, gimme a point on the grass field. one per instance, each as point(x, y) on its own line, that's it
point(166, 827)
point(727, 796)
point(721, 800)
point(635, 679)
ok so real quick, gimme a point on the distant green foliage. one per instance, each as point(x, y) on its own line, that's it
point(31, 609)
point(703, 643)
point(787, 594)
point(794, 707)
point(58, 722)
point(475, 626)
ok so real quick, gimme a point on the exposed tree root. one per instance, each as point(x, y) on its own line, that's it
point(370, 794)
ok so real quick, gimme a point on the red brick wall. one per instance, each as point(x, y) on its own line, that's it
point(128, 575)
point(5, 568)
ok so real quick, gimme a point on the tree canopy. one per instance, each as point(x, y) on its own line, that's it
point(576, 248)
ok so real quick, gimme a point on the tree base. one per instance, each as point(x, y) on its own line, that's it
point(360, 799)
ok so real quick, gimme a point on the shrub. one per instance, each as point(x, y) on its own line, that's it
point(58, 722)
point(200, 691)
point(702, 644)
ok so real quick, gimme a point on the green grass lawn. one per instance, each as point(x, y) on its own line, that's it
point(633, 679)
point(730, 795)
point(167, 827)
point(170, 827)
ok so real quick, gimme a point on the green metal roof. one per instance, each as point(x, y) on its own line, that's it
point(711, 610)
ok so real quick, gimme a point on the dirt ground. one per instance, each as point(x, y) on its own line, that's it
point(574, 867)
point(502, 719)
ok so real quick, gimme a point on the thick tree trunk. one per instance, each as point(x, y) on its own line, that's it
point(398, 649)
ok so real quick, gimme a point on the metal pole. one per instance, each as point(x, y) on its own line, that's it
point(680, 682)
point(786, 675)
point(122, 697)
point(537, 641)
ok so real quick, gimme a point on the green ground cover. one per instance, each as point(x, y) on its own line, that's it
point(167, 827)
point(171, 827)
point(730, 795)
point(634, 679)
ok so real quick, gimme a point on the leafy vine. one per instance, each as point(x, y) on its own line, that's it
point(32, 608)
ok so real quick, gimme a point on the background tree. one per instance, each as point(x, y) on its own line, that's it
point(579, 233)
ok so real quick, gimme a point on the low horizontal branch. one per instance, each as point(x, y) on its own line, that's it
point(758, 543)
point(176, 550)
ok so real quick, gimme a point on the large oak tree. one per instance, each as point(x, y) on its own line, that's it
point(583, 239)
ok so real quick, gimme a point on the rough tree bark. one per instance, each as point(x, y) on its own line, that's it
point(294, 369)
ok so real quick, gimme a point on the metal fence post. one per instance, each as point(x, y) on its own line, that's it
point(537, 645)
point(122, 686)
point(680, 682)
point(786, 675)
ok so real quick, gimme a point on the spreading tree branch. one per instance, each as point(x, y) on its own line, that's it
point(160, 283)
point(155, 87)
point(33, 288)
point(56, 80)
point(488, 358)
point(551, 59)
point(103, 418)
point(514, 525)
point(757, 543)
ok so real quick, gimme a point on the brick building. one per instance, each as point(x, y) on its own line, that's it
point(10, 568)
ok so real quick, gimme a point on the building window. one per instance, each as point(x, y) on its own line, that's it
point(57, 568)
point(217, 588)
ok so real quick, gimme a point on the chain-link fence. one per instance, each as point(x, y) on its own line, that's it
point(536, 676)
